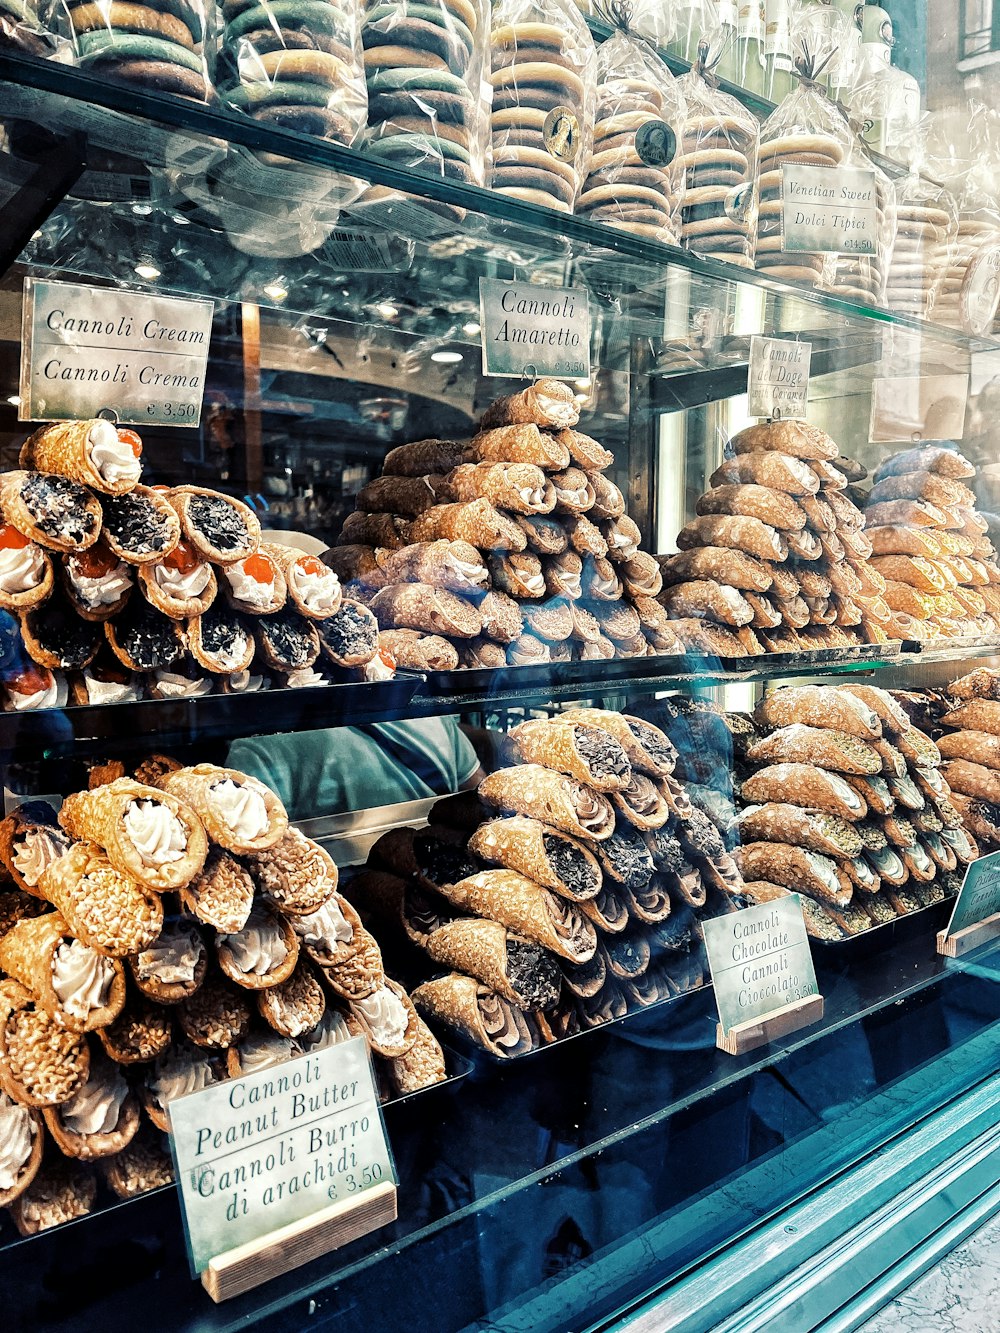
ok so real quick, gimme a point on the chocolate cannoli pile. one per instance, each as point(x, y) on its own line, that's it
point(513, 549)
point(117, 591)
point(165, 931)
point(777, 559)
point(566, 893)
point(931, 547)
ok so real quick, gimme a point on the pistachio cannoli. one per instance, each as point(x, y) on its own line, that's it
point(407, 496)
point(961, 842)
point(173, 967)
point(943, 856)
point(548, 402)
point(811, 829)
point(807, 786)
point(143, 639)
point(552, 859)
point(421, 1066)
point(220, 528)
point(182, 1069)
point(720, 564)
point(804, 871)
point(51, 511)
point(826, 747)
point(475, 521)
point(94, 453)
point(73, 983)
point(100, 1119)
point(143, 1031)
point(875, 792)
point(144, 1165)
point(422, 457)
point(26, 571)
point(972, 779)
point(455, 566)
point(293, 1006)
point(103, 907)
point(545, 536)
point(21, 1142)
point(553, 798)
point(820, 925)
point(527, 909)
point(60, 1192)
point(42, 1062)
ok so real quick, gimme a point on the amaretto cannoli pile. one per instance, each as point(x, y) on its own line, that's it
point(931, 547)
point(776, 560)
point(846, 802)
point(511, 549)
point(165, 931)
point(969, 716)
point(118, 591)
point(566, 893)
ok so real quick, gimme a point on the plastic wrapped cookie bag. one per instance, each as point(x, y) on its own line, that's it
point(860, 276)
point(691, 20)
point(544, 70)
point(24, 30)
point(926, 232)
point(158, 49)
point(718, 157)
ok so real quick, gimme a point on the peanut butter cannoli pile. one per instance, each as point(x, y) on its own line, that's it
point(117, 591)
point(567, 893)
point(157, 936)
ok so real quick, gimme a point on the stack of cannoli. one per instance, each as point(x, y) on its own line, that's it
point(513, 549)
point(776, 560)
point(931, 547)
point(970, 744)
point(122, 591)
point(846, 802)
point(566, 893)
point(159, 935)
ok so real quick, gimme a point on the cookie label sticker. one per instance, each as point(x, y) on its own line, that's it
point(778, 379)
point(655, 143)
point(85, 350)
point(737, 202)
point(529, 330)
point(829, 210)
point(980, 293)
point(561, 133)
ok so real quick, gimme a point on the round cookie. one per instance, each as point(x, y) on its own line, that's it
point(530, 97)
point(379, 58)
point(287, 39)
point(537, 159)
point(320, 122)
point(531, 55)
point(530, 196)
point(132, 18)
point(160, 74)
point(421, 36)
point(285, 66)
point(294, 15)
point(445, 107)
point(104, 45)
point(527, 34)
point(533, 179)
point(648, 176)
point(605, 194)
point(539, 74)
point(517, 118)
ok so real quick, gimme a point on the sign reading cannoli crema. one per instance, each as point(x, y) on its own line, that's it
point(778, 379)
point(85, 350)
point(258, 1153)
point(979, 896)
point(532, 330)
point(760, 960)
point(829, 210)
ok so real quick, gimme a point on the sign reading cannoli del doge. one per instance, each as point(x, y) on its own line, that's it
point(88, 350)
point(532, 330)
point(829, 210)
point(258, 1153)
point(778, 380)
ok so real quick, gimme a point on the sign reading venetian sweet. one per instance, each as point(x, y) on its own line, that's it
point(979, 896)
point(760, 960)
point(90, 349)
point(528, 329)
point(829, 210)
point(260, 1152)
point(778, 382)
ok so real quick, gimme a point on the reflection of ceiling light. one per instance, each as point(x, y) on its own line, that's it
point(179, 220)
point(446, 358)
point(582, 384)
point(36, 235)
point(275, 291)
point(471, 328)
point(387, 310)
point(148, 271)
point(141, 210)
point(580, 397)
point(14, 400)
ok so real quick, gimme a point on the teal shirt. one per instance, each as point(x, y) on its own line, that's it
point(343, 768)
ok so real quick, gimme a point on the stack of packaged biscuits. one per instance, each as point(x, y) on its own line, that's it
point(777, 559)
point(161, 49)
point(978, 234)
point(168, 931)
point(511, 549)
point(926, 232)
point(543, 72)
point(123, 591)
point(565, 894)
point(970, 744)
point(23, 29)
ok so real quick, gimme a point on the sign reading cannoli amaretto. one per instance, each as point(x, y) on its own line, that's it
point(760, 960)
point(531, 330)
point(257, 1153)
point(85, 350)
point(979, 896)
point(778, 380)
point(829, 210)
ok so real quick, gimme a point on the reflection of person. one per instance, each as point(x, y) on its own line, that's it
point(982, 445)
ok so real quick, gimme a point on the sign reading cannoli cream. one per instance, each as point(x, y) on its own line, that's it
point(778, 380)
point(85, 350)
point(979, 896)
point(760, 960)
point(829, 210)
point(257, 1154)
point(532, 330)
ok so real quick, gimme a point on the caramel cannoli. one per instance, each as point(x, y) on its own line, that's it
point(239, 812)
point(574, 494)
point(621, 536)
point(23, 1141)
point(476, 522)
point(808, 786)
point(481, 653)
point(454, 566)
point(42, 1062)
point(600, 580)
point(50, 511)
point(423, 457)
point(552, 621)
point(550, 858)
point(423, 607)
point(642, 802)
point(416, 651)
point(737, 533)
point(971, 779)
point(181, 585)
point(407, 496)
point(800, 439)
point(55, 637)
point(585, 451)
point(608, 911)
point(358, 973)
point(553, 798)
point(811, 829)
point(585, 537)
point(609, 503)
point(778, 472)
point(26, 572)
point(217, 1015)
point(774, 508)
point(173, 967)
point(704, 598)
point(294, 1006)
point(518, 575)
point(30, 840)
point(803, 871)
point(562, 574)
point(521, 488)
point(875, 792)
point(104, 908)
point(819, 706)
point(479, 1014)
point(76, 985)
point(93, 453)
point(379, 531)
point(296, 873)
point(422, 1066)
point(648, 749)
point(333, 933)
point(548, 402)
point(141, 1032)
point(180, 1070)
point(926, 458)
point(220, 528)
point(825, 747)
point(545, 536)
point(142, 639)
point(528, 651)
point(717, 563)
point(60, 1192)
point(100, 1119)
point(820, 925)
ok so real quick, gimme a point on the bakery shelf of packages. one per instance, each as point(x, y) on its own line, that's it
point(182, 141)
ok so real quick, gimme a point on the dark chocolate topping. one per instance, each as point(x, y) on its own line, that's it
point(533, 973)
point(59, 507)
point(425, 912)
point(287, 635)
point(349, 632)
point(575, 871)
point(656, 745)
point(59, 630)
point(147, 637)
point(668, 854)
point(675, 934)
point(221, 632)
point(218, 522)
point(135, 523)
point(626, 858)
point(584, 978)
point(629, 954)
point(441, 862)
point(603, 755)
point(701, 835)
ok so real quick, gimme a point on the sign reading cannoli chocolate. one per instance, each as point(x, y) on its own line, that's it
point(88, 350)
point(829, 210)
point(975, 918)
point(260, 1154)
point(778, 381)
point(527, 329)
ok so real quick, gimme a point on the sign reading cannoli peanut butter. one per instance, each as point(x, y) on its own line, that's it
point(979, 896)
point(257, 1153)
point(760, 960)
point(829, 210)
point(532, 330)
point(778, 381)
point(85, 350)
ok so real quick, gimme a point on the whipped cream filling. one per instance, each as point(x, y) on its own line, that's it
point(557, 410)
point(178, 1072)
point(325, 928)
point(265, 1051)
point(21, 568)
point(386, 1016)
point(329, 1031)
point(174, 685)
point(156, 832)
point(570, 496)
point(532, 495)
point(99, 589)
point(96, 1107)
point(111, 456)
point(379, 669)
point(620, 542)
point(109, 691)
point(572, 586)
point(532, 651)
point(258, 948)
point(534, 584)
point(304, 678)
point(81, 978)
point(845, 791)
point(54, 694)
point(242, 682)
point(173, 958)
point(249, 590)
point(17, 1136)
point(469, 573)
point(182, 584)
point(824, 871)
point(35, 852)
point(319, 592)
point(240, 807)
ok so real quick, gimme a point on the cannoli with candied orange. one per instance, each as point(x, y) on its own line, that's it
point(257, 585)
point(93, 453)
point(26, 574)
point(220, 528)
point(180, 585)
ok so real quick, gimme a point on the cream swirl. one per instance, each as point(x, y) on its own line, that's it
point(592, 810)
point(331, 1030)
point(526, 652)
point(81, 978)
point(571, 586)
point(606, 588)
point(572, 927)
point(99, 589)
point(305, 678)
point(386, 1017)
point(258, 948)
point(534, 496)
point(265, 1051)
point(156, 832)
point(21, 568)
point(242, 682)
point(622, 543)
point(378, 668)
point(173, 958)
point(109, 691)
point(240, 807)
point(111, 456)
point(174, 685)
point(640, 795)
point(17, 1135)
point(534, 584)
point(181, 584)
point(500, 1021)
point(824, 870)
point(96, 1107)
point(177, 1073)
point(35, 852)
point(248, 590)
point(320, 593)
point(467, 573)
point(578, 497)
point(53, 693)
point(558, 411)
point(325, 928)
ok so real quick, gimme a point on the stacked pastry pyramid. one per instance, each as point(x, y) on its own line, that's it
point(846, 802)
point(971, 749)
point(512, 549)
point(565, 894)
point(194, 936)
point(776, 559)
point(116, 585)
point(931, 547)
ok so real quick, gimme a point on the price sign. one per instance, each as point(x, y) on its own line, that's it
point(84, 349)
point(778, 382)
point(918, 407)
point(829, 210)
point(975, 918)
point(528, 329)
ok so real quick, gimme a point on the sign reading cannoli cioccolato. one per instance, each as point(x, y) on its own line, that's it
point(85, 350)
point(760, 960)
point(529, 330)
point(256, 1153)
point(979, 896)
point(829, 210)
point(778, 380)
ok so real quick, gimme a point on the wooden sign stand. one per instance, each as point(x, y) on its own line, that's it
point(759, 1031)
point(954, 946)
point(258, 1261)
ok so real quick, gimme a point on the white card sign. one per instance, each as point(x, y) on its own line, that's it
point(778, 381)
point(911, 408)
point(87, 349)
point(979, 896)
point(532, 330)
point(260, 1152)
point(829, 210)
